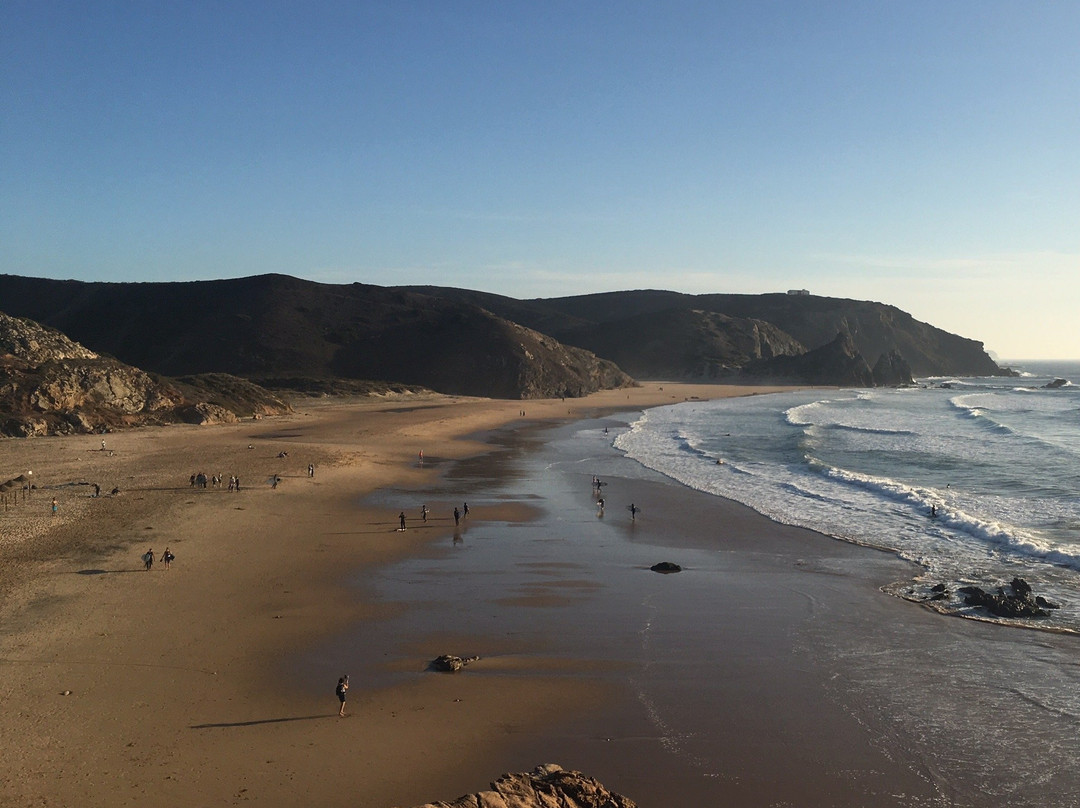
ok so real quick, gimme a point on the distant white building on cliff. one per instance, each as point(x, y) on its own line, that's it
point(798, 291)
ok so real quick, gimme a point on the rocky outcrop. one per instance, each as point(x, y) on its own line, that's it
point(684, 343)
point(50, 384)
point(837, 363)
point(1019, 601)
point(892, 370)
point(33, 344)
point(547, 786)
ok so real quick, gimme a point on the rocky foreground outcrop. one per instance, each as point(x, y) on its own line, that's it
point(547, 786)
point(50, 384)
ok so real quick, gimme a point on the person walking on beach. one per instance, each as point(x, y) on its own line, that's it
point(600, 506)
point(465, 509)
point(342, 689)
point(633, 512)
point(457, 516)
point(148, 558)
point(401, 519)
point(167, 557)
point(310, 469)
point(55, 506)
point(423, 513)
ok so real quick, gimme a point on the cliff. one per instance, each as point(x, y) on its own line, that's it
point(609, 324)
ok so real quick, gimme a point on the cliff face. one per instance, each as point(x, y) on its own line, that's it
point(684, 343)
point(50, 384)
point(605, 323)
point(837, 363)
point(273, 326)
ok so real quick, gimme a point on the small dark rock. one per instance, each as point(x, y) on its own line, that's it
point(666, 567)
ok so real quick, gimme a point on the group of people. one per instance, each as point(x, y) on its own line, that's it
point(200, 480)
point(458, 514)
point(166, 558)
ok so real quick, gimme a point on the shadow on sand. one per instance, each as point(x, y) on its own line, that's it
point(263, 721)
point(107, 572)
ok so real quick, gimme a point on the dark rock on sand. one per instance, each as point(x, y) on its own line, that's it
point(547, 786)
point(665, 567)
point(447, 663)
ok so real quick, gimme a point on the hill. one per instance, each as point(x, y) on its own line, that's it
point(305, 335)
point(275, 326)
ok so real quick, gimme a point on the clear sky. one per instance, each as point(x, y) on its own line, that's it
point(923, 154)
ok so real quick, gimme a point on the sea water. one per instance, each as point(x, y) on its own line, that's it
point(976, 480)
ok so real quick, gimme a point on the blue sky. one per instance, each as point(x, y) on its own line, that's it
point(925, 155)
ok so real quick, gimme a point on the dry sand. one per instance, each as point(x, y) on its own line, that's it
point(211, 683)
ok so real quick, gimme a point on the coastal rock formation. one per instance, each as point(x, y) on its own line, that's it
point(685, 343)
point(600, 322)
point(837, 363)
point(547, 786)
point(274, 326)
point(892, 370)
point(50, 384)
point(472, 343)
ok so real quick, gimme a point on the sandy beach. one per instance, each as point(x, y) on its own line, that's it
point(212, 683)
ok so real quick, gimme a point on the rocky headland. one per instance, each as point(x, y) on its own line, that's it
point(50, 384)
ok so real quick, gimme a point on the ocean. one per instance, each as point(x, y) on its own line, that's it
point(976, 480)
point(720, 660)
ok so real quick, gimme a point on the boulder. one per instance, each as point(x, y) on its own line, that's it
point(448, 663)
point(547, 786)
